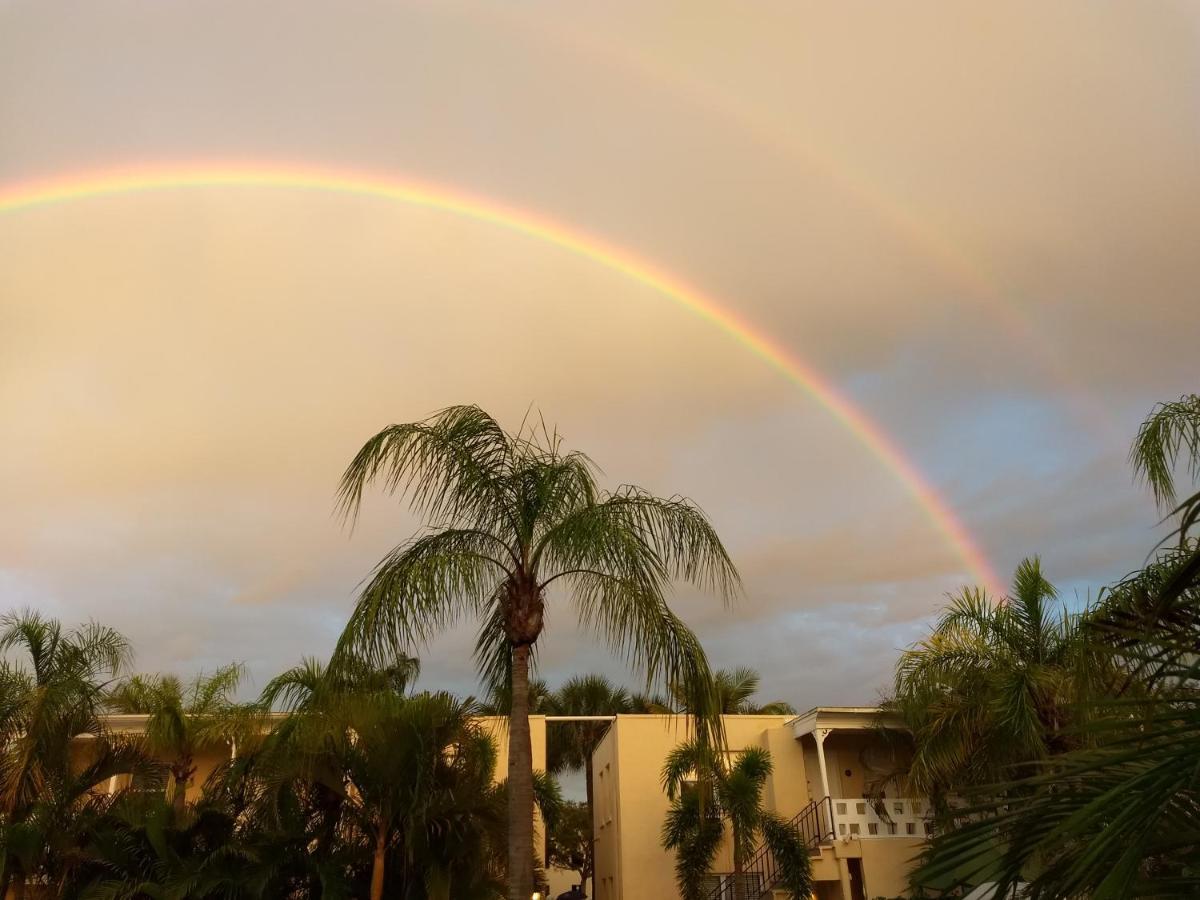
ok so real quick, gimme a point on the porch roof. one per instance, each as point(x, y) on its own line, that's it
point(843, 718)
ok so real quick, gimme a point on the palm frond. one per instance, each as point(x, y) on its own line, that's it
point(452, 467)
point(1172, 429)
point(422, 587)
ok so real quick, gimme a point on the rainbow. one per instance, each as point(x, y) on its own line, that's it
point(38, 193)
point(919, 231)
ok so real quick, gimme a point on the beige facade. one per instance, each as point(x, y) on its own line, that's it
point(825, 762)
point(208, 759)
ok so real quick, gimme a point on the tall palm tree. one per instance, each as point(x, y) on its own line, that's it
point(512, 517)
point(996, 685)
point(706, 788)
point(184, 718)
point(570, 745)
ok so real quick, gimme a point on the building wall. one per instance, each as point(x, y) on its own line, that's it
point(497, 728)
point(631, 804)
point(207, 760)
point(606, 814)
point(886, 865)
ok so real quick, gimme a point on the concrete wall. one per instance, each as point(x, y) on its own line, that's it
point(631, 805)
point(496, 727)
point(886, 864)
point(606, 815)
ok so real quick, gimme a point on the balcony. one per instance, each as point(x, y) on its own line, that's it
point(890, 818)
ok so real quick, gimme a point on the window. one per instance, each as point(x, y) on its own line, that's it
point(147, 783)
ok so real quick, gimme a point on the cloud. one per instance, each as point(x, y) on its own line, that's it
point(976, 223)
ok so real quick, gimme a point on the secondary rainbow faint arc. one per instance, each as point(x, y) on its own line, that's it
point(34, 193)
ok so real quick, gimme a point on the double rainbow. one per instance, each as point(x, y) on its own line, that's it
point(35, 193)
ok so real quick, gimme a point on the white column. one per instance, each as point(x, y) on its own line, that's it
point(819, 735)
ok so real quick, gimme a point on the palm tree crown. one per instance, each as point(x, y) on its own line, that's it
point(994, 685)
point(708, 788)
point(184, 718)
point(734, 690)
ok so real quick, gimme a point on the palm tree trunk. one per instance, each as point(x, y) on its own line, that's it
point(588, 890)
point(17, 888)
point(377, 866)
point(520, 782)
point(179, 797)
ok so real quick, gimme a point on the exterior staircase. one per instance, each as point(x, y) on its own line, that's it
point(813, 824)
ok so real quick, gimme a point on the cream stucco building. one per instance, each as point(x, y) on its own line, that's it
point(824, 762)
point(207, 759)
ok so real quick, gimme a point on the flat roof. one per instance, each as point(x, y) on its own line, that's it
point(843, 718)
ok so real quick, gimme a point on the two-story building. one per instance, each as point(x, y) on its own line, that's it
point(832, 777)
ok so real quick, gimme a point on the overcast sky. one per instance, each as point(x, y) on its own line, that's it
point(979, 221)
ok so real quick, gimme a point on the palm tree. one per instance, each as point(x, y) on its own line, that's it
point(1119, 817)
point(571, 744)
point(43, 842)
point(397, 767)
point(412, 776)
point(499, 699)
point(184, 718)
point(996, 685)
point(693, 830)
point(312, 686)
point(650, 704)
point(735, 689)
point(706, 788)
point(511, 515)
point(48, 695)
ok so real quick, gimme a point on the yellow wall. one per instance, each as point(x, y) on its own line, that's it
point(631, 805)
point(495, 726)
point(886, 864)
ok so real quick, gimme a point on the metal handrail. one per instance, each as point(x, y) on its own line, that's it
point(814, 826)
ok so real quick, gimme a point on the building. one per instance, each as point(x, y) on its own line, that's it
point(209, 758)
point(825, 763)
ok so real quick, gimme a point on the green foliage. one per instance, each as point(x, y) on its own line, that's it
point(792, 856)
point(570, 844)
point(693, 830)
point(709, 790)
point(51, 688)
point(733, 691)
point(997, 685)
point(185, 718)
point(570, 744)
point(1171, 430)
point(1116, 815)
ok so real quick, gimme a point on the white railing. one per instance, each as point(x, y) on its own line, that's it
point(903, 817)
